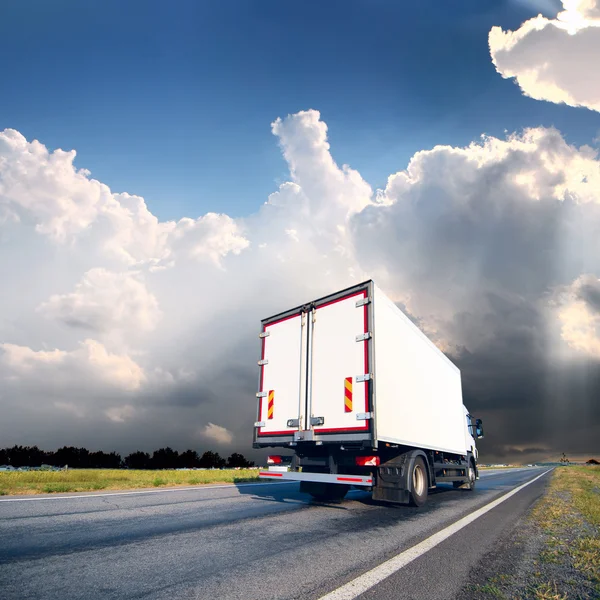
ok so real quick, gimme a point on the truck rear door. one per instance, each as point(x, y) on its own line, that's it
point(338, 394)
point(283, 365)
point(315, 370)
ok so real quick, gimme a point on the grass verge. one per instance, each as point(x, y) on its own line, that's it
point(569, 516)
point(553, 553)
point(86, 480)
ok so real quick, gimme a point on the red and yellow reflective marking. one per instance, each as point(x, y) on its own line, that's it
point(270, 404)
point(348, 394)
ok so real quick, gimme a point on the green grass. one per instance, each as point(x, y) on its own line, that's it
point(572, 503)
point(491, 589)
point(50, 488)
point(85, 480)
point(547, 591)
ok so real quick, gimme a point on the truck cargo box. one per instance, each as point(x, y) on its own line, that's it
point(352, 368)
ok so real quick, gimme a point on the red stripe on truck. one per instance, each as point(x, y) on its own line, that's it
point(360, 479)
point(271, 474)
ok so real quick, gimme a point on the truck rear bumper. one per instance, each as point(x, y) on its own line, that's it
point(362, 480)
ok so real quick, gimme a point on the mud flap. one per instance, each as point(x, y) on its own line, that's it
point(393, 481)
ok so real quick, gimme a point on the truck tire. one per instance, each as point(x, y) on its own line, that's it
point(418, 482)
point(470, 483)
point(472, 477)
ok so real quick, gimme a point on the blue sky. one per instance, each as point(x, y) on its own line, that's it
point(173, 101)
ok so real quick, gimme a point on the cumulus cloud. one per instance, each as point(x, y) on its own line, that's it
point(104, 301)
point(554, 59)
point(47, 191)
point(578, 310)
point(216, 433)
point(90, 363)
point(498, 217)
point(144, 329)
point(209, 237)
point(303, 139)
point(120, 414)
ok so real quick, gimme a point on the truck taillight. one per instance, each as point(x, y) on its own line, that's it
point(274, 460)
point(367, 461)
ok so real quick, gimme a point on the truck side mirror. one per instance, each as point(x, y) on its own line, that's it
point(478, 429)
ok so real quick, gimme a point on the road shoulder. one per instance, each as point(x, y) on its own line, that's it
point(548, 553)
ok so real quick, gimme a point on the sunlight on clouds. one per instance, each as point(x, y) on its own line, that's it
point(554, 59)
point(216, 433)
point(59, 367)
point(211, 236)
point(578, 310)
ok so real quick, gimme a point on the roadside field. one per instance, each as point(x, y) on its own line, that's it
point(569, 515)
point(85, 480)
point(555, 552)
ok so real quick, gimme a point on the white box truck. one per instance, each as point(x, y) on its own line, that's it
point(363, 398)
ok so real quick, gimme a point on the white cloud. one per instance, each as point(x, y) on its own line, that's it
point(218, 434)
point(209, 237)
point(120, 414)
point(46, 185)
point(104, 301)
point(502, 218)
point(90, 364)
point(63, 203)
point(578, 310)
point(303, 139)
point(554, 59)
point(135, 236)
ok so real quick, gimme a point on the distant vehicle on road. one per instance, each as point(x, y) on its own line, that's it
point(363, 398)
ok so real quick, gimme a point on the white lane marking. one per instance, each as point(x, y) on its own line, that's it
point(489, 473)
point(183, 489)
point(365, 582)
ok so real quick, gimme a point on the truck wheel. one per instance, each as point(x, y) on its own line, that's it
point(418, 483)
point(471, 483)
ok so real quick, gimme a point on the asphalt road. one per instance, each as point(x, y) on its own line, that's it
point(253, 541)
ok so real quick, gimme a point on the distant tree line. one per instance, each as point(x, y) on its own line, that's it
point(81, 458)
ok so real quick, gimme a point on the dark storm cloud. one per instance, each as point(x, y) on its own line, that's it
point(525, 398)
